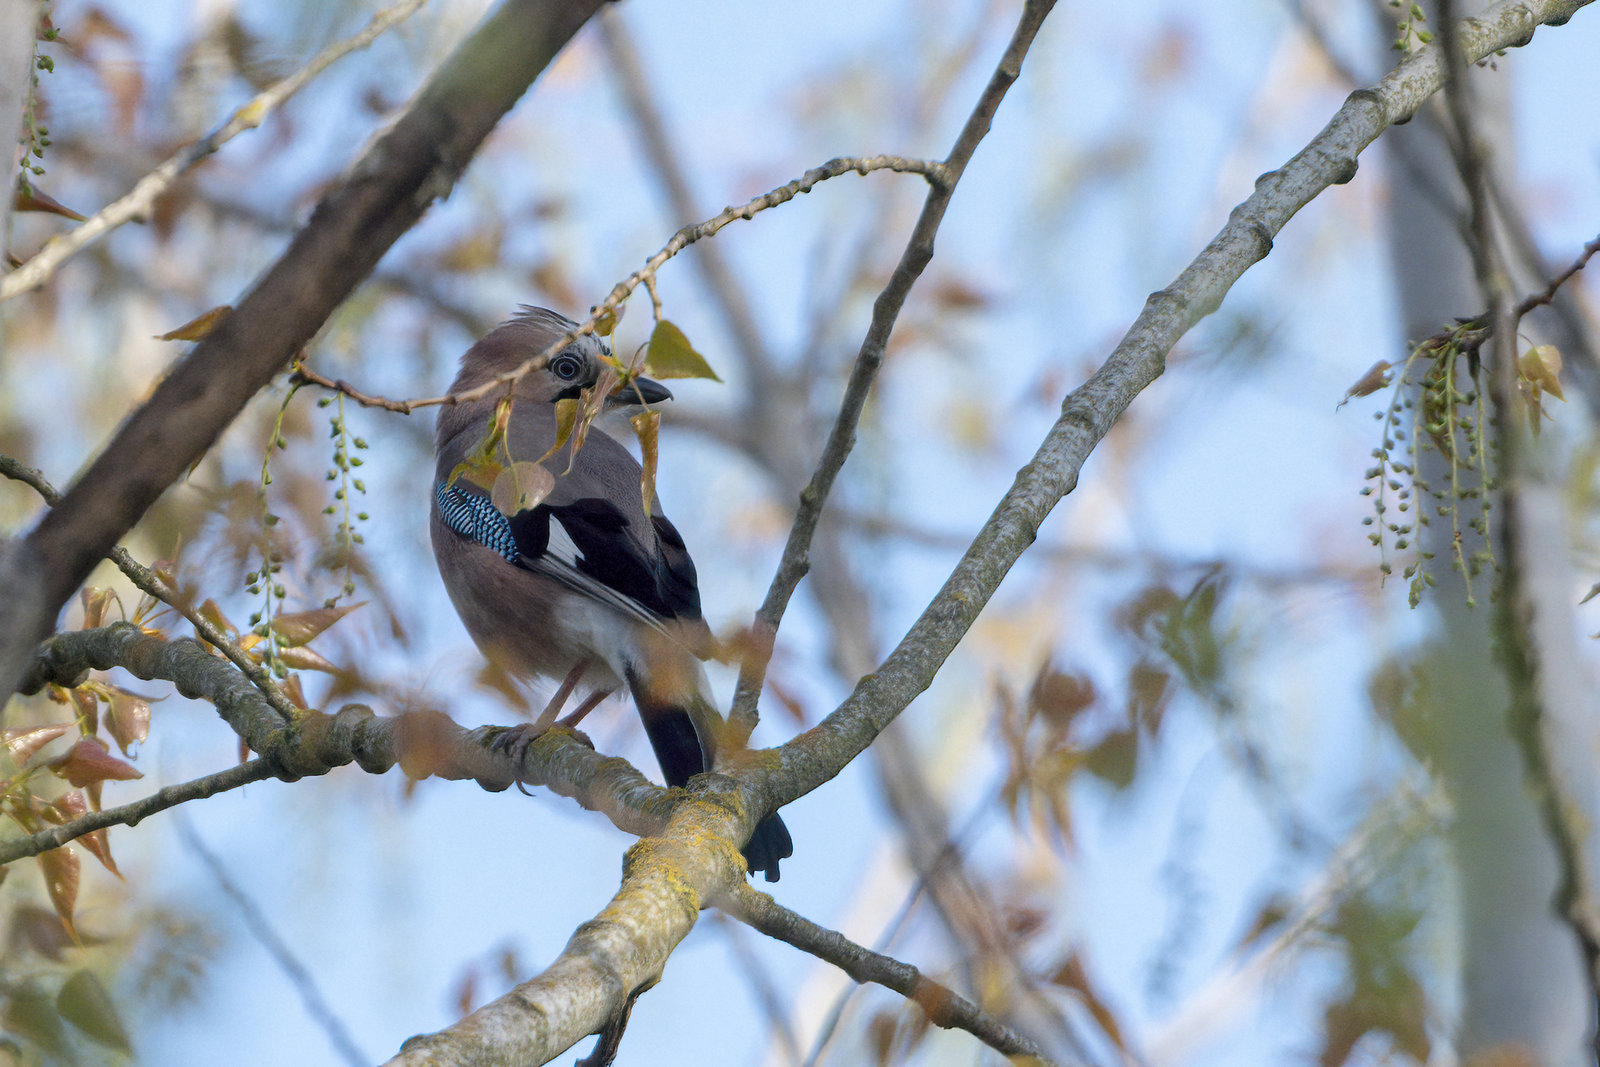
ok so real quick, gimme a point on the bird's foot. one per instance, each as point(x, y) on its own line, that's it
point(513, 741)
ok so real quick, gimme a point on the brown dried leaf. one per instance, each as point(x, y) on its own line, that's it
point(23, 742)
point(199, 326)
point(62, 871)
point(128, 719)
point(305, 659)
point(90, 762)
point(32, 198)
point(95, 599)
point(300, 627)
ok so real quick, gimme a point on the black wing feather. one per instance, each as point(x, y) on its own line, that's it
point(663, 581)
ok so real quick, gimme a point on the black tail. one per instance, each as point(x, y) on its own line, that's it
point(678, 750)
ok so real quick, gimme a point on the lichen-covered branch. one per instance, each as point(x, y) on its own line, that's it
point(944, 1007)
point(1089, 411)
point(422, 743)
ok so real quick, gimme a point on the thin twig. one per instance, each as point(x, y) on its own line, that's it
point(138, 203)
point(943, 1006)
point(260, 929)
point(148, 581)
point(932, 170)
point(209, 785)
point(795, 561)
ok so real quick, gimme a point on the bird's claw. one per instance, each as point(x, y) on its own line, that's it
point(513, 742)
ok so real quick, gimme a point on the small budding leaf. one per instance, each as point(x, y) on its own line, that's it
point(30, 197)
point(672, 356)
point(61, 874)
point(566, 419)
point(89, 762)
point(198, 326)
point(305, 659)
point(647, 425)
point(1376, 378)
point(128, 718)
point(1541, 365)
point(22, 742)
point(606, 324)
point(521, 486)
point(484, 464)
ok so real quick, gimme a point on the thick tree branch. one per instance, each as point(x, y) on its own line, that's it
point(1088, 412)
point(413, 162)
point(422, 743)
point(944, 1007)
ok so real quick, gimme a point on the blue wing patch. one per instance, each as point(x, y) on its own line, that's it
point(472, 516)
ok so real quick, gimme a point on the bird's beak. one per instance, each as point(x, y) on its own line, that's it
point(639, 391)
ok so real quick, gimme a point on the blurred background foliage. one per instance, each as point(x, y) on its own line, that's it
point(1186, 762)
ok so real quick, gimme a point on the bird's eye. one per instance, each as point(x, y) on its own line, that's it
point(566, 366)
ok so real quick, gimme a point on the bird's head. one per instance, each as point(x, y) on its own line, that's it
point(564, 376)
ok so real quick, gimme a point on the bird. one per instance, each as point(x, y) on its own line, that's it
point(585, 586)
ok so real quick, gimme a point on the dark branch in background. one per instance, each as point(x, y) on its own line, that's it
point(140, 202)
point(943, 1006)
point(149, 582)
point(1534, 624)
point(414, 161)
point(885, 310)
point(1089, 411)
point(315, 1004)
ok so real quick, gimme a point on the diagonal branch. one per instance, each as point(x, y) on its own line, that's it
point(885, 310)
point(396, 178)
point(944, 1007)
point(1088, 412)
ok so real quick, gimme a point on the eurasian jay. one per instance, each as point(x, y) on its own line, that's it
point(584, 587)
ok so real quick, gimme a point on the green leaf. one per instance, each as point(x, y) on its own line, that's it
point(672, 356)
point(84, 1003)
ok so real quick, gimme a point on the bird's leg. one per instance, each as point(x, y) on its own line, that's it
point(547, 717)
point(514, 740)
point(588, 705)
